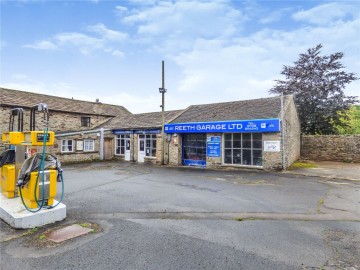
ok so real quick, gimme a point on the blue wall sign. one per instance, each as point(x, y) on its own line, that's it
point(213, 146)
point(191, 162)
point(145, 131)
point(256, 125)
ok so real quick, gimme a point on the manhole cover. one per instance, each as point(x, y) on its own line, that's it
point(67, 233)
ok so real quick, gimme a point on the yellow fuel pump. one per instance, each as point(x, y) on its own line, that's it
point(39, 174)
point(12, 159)
point(36, 177)
point(7, 173)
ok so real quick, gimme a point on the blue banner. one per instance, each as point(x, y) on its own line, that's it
point(213, 146)
point(256, 125)
point(197, 163)
point(146, 131)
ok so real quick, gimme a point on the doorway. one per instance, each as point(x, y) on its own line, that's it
point(141, 148)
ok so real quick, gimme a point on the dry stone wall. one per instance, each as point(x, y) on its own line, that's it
point(331, 147)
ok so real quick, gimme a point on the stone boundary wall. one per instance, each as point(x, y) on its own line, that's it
point(331, 147)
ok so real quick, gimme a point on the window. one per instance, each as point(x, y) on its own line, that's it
point(67, 145)
point(150, 145)
point(85, 121)
point(194, 146)
point(120, 141)
point(88, 145)
point(243, 149)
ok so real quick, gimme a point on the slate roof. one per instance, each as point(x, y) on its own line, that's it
point(263, 108)
point(16, 98)
point(141, 120)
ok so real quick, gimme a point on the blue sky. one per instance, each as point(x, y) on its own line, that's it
point(214, 51)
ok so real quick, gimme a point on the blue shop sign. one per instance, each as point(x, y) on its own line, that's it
point(213, 146)
point(256, 125)
point(145, 131)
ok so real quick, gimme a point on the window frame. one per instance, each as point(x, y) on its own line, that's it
point(120, 142)
point(247, 145)
point(67, 146)
point(93, 145)
point(151, 140)
point(85, 121)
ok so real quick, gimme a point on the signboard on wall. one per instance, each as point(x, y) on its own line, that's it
point(271, 146)
point(213, 148)
point(79, 145)
point(256, 125)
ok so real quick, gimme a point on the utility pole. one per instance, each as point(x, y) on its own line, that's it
point(162, 90)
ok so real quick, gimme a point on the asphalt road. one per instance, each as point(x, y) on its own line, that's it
point(180, 218)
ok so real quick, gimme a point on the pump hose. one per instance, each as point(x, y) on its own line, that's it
point(42, 169)
point(37, 180)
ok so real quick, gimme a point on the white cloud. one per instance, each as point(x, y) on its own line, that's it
point(327, 13)
point(107, 33)
point(274, 15)
point(117, 53)
point(185, 21)
point(246, 67)
point(83, 42)
point(121, 9)
point(42, 45)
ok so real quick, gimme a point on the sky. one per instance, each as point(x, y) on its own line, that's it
point(214, 51)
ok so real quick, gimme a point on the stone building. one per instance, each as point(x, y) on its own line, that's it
point(138, 137)
point(76, 123)
point(243, 133)
point(238, 134)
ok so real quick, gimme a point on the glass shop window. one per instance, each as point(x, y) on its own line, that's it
point(194, 146)
point(243, 149)
point(122, 141)
point(150, 145)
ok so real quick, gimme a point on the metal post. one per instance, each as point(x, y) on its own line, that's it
point(163, 118)
point(162, 90)
point(283, 132)
point(101, 144)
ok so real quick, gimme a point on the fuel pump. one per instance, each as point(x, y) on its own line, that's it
point(39, 173)
point(12, 159)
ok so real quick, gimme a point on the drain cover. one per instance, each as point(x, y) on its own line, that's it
point(67, 233)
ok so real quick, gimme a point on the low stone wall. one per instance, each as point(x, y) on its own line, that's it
point(331, 147)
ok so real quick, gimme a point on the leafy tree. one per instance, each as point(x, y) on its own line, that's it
point(353, 122)
point(318, 83)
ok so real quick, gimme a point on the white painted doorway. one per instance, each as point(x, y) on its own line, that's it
point(141, 148)
point(127, 149)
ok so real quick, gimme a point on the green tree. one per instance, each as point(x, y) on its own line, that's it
point(318, 83)
point(352, 125)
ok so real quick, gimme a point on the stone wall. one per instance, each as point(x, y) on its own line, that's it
point(175, 150)
point(331, 147)
point(272, 160)
point(77, 155)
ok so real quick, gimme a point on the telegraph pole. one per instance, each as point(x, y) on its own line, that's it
point(162, 90)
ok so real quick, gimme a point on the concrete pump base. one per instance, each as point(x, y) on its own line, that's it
point(13, 212)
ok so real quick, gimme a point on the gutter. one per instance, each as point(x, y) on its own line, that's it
point(82, 132)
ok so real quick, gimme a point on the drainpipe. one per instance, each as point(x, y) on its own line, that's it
point(101, 144)
point(282, 132)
